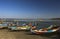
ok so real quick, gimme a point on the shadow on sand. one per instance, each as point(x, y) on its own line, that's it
point(55, 35)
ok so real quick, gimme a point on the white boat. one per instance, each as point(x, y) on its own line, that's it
point(43, 31)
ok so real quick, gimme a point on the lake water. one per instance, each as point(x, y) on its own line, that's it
point(42, 24)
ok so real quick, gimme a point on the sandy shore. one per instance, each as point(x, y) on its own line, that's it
point(5, 34)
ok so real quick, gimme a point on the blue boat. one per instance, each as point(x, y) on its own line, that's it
point(19, 27)
point(3, 25)
point(45, 30)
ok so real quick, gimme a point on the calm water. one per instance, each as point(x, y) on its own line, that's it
point(42, 24)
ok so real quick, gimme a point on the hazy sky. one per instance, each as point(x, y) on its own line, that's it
point(29, 8)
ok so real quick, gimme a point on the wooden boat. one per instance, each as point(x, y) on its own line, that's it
point(3, 26)
point(44, 30)
point(24, 28)
point(19, 27)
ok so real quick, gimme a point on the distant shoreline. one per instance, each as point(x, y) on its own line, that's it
point(30, 19)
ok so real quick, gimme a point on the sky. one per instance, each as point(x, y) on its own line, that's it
point(29, 8)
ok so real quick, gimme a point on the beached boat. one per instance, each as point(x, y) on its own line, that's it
point(19, 27)
point(3, 26)
point(45, 30)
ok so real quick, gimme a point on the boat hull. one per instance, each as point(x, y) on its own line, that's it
point(19, 28)
point(43, 32)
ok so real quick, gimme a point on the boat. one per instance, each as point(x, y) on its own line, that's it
point(19, 27)
point(3, 26)
point(45, 30)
